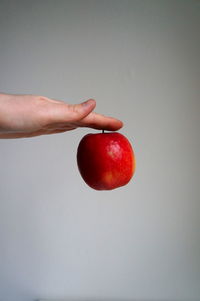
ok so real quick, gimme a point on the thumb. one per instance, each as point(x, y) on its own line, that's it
point(79, 111)
point(62, 112)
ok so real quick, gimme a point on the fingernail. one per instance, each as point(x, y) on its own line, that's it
point(87, 103)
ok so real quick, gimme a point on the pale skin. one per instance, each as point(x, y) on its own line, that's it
point(24, 116)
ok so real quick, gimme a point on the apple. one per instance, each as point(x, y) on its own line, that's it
point(105, 160)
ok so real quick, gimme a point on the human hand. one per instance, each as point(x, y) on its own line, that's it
point(30, 115)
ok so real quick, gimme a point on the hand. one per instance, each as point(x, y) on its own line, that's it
point(30, 115)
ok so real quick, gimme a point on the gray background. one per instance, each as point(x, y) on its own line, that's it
point(58, 237)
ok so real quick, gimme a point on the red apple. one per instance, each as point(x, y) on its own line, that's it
point(105, 160)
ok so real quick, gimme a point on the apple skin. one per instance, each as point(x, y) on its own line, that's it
point(105, 160)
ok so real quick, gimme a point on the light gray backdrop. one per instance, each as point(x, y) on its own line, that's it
point(58, 237)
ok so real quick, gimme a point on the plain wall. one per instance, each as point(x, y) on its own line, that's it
point(58, 237)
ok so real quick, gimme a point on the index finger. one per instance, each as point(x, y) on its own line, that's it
point(100, 122)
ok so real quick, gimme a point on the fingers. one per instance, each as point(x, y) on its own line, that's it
point(82, 115)
point(101, 122)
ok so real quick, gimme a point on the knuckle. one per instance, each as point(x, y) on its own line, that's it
point(40, 98)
